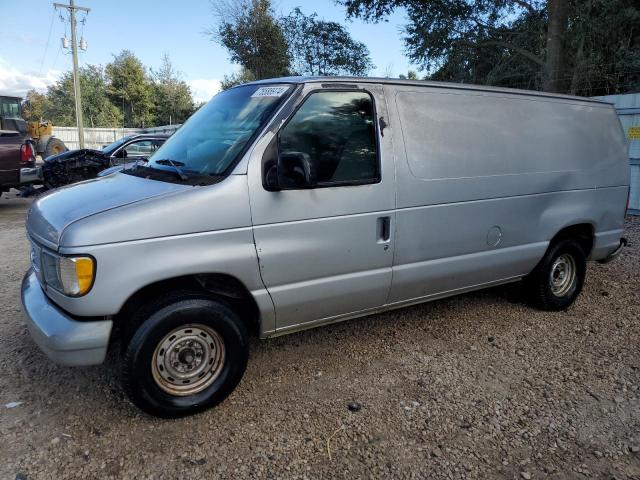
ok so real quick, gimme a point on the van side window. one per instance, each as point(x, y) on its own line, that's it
point(336, 130)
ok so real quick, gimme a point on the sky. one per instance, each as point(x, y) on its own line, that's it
point(31, 57)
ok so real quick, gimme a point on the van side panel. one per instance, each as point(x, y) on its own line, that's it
point(477, 145)
point(486, 180)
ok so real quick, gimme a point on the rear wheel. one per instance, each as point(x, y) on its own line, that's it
point(557, 280)
point(188, 354)
point(54, 147)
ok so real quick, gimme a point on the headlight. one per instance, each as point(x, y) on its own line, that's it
point(72, 276)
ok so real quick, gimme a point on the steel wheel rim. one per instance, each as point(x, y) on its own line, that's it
point(188, 359)
point(563, 275)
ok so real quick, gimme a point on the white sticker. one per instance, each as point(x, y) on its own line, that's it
point(269, 92)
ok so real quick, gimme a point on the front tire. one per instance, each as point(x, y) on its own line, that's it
point(188, 354)
point(557, 280)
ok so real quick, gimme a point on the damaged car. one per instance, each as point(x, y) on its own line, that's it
point(77, 165)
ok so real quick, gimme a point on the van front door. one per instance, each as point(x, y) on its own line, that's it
point(325, 247)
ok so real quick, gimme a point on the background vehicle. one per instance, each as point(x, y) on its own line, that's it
point(75, 165)
point(40, 131)
point(287, 204)
point(17, 161)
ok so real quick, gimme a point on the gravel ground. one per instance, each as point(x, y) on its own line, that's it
point(476, 386)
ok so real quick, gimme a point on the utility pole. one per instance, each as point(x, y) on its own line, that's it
point(72, 8)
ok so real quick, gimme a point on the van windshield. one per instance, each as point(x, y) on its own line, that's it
point(213, 138)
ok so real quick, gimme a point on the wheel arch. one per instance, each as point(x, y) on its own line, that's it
point(221, 285)
point(583, 233)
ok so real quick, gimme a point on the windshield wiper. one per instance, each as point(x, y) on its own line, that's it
point(132, 167)
point(168, 161)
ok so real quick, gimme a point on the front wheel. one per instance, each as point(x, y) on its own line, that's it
point(188, 354)
point(557, 280)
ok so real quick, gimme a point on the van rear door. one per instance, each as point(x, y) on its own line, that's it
point(327, 251)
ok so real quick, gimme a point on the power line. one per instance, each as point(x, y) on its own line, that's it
point(55, 60)
point(46, 48)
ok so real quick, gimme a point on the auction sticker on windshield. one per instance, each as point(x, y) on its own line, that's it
point(269, 92)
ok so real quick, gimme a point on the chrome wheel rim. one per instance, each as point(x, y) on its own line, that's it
point(188, 359)
point(563, 275)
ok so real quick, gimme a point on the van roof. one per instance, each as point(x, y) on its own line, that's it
point(426, 83)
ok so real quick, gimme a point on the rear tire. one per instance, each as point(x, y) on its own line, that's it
point(54, 147)
point(188, 354)
point(557, 280)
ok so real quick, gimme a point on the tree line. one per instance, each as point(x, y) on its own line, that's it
point(581, 47)
point(123, 93)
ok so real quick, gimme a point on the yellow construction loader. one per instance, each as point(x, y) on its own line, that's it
point(46, 143)
point(41, 132)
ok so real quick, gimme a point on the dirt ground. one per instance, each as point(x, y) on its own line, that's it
point(476, 386)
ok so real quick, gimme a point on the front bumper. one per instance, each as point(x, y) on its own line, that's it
point(65, 341)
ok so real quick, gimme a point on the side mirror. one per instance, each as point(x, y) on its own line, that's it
point(270, 178)
point(121, 153)
point(295, 171)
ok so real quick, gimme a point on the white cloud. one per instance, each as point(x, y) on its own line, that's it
point(16, 83)
point(203, 89)
point(21, 39)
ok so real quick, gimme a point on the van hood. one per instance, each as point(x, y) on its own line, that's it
point(52, 213)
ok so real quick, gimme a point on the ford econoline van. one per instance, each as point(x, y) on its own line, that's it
point(290, 203)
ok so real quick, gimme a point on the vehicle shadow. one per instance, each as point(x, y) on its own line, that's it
point(63, 391)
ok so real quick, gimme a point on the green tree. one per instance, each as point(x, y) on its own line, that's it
point(96, 105)
point(130, 87)
point(250, 32)
point(244, 76)
point(33, 106)
point(60, 106)
point(318, 47)
point(173, 101)
point(487, 61)
point(98, 111)
point(411, 75)
point(586, 47)
point(604, 47)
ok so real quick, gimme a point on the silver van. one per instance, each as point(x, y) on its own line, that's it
point(290, 203)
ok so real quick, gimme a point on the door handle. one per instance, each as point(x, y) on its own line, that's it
point(383, 230)
point(382, 125)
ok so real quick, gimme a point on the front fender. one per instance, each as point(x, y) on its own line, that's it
point(125, 268)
